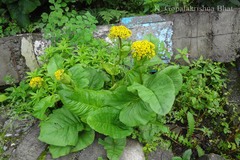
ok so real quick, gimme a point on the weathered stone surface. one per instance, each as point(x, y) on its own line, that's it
point(133, 151)
point(28, 53)
point(160, 154)
point(211, 157)
point(30, 148)
point(73, 156)
point(7, 65)
point(213, 35)
point(12, 61)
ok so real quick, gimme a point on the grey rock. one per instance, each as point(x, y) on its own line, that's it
point(30, 147)
point(92, 152)
point(211, 156)
point(12, 63)
point(28, 53)
point(17, 126)
point(133, 151)
point(102, 31)
point(6, 65)
point(8, 135)
point(73, 156)
point(2, 121)
point(160, 154)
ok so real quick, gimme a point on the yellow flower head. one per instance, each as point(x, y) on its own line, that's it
point(59, 74)
point(142, 49)
point(36, 82)
point(119, 32)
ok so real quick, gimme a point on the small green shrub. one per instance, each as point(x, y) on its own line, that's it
point(63, 23)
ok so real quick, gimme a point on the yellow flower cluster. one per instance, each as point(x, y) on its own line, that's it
point(36, 82)
point(142, 49)
point(119, 32)
point(59, 74)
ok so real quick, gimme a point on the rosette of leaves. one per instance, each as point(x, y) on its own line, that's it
point(88, 107)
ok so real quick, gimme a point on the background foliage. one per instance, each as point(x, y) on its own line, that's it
point(20, 16)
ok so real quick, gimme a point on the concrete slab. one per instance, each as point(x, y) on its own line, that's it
point(224, 22)
point(223, 47)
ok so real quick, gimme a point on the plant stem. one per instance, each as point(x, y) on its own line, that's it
point(120, 50)
point(141, 77)
point(113, 80)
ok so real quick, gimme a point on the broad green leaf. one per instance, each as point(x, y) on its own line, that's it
point(237, 139)
point(177, 158)
point(175, 75)
point(61, 129)
point(16, 14)
point(111, 69)
point(136, 113)
point(58, 151)
point(96, 78)
point(2, 97)
point(191, 124)
point(235, 2)
point(86, 138)
point(159, 92)
point(105, 121)
point(200, 151)
point(40, 108)
point(156, 60)
point(125, 51)
point(114, 147)
point(133, 76)
point(27, 6)
point(83, 101)
point(187, 154)
point(149, 131)
point(120, 96)
point(178, 56)
point(55, 63)
point(79, 76)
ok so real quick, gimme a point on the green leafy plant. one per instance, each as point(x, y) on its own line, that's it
point(114, 147)
point(63, 23)
point(111, 15)
point(73, 104)
point(186, 155)
point(191, 124)
point(204, 83)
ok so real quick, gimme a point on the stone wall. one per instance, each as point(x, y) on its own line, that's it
point(214, 35)
point(18, 55)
